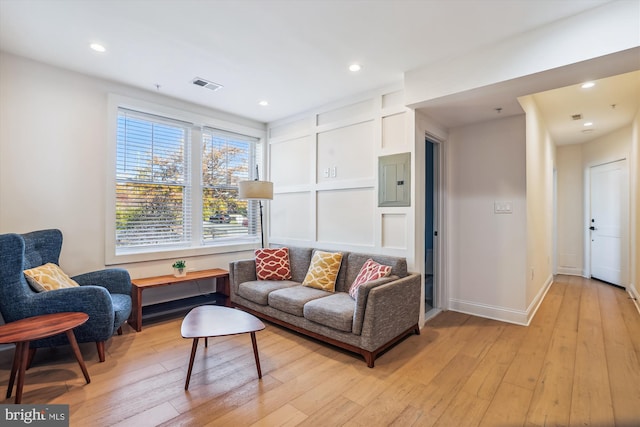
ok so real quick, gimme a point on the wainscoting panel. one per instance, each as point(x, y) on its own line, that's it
point(291, 161)
point(394, 231)
point(290, 214)
point(346, 216)
point(346, 153)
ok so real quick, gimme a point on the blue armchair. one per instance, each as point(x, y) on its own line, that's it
point(104, 295)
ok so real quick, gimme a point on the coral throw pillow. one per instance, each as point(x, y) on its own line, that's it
point(273, 264)
point(370, 270)
point(48, 277)
point(323, 271)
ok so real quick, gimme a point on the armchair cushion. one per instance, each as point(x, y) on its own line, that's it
point(48, 277)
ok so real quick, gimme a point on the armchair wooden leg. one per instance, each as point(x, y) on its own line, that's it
point(100, 345)
point(120, 330)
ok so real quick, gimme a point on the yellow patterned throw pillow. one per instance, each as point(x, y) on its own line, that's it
point(323, 271)
point(48, 277)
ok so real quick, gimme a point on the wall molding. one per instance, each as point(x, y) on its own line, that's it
point(503, 314)
point(571, 271)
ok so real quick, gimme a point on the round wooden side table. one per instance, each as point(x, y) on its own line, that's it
point(22, 332)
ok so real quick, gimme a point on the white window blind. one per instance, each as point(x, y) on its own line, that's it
point(153, 185)
point(227, 158)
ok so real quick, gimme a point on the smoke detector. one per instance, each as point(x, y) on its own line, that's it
point(206, 83)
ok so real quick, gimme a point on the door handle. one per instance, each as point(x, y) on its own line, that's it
point(592, 228)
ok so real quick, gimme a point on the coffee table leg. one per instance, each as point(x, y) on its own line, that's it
point(24, 355)
point(255, 353)
point(193, 356)
point(76, 350)
point(14, 368)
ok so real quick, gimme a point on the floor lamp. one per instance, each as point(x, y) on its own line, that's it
point(256, 190)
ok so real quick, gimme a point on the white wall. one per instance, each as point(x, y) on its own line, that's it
point(570, 210)
point(604, 30)
point(53, 149)
point(486, 250)
point(324, 165)
point(540, 192)
point(634, 285)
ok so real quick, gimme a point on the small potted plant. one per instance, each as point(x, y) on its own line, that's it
point(180, 268)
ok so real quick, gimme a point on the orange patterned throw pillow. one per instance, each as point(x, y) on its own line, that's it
point(273, 264)
point(370, 270)
point(48, 277)
point(323, 271)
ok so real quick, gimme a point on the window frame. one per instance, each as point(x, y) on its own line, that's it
point(199, 121)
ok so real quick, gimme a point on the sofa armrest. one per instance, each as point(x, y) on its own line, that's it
point(391, 309)
point(361, 301)
point(241, 271)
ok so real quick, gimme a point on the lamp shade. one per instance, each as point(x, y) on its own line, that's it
point(255, 190)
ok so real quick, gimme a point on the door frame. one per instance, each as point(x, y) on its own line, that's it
point(440, 291)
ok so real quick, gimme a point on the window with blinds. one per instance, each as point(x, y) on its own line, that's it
point(156, 204)
point(227, 158)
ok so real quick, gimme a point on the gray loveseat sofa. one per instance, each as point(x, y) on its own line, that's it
point(385, 311)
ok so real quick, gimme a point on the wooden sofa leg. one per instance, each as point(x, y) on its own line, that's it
point(100, 345)
point(120, 330)
point(370, 358)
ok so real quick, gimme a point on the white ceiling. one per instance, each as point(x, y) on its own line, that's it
point(294, 54)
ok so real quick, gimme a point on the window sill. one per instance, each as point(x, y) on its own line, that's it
point(154, 254)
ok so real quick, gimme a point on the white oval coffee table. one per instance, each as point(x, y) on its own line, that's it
point(215, 321)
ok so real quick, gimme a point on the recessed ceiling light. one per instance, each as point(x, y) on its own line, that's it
point(97, 47)
point(587, 85)
point(354, 67)
point(588, 124)
point(263, 103)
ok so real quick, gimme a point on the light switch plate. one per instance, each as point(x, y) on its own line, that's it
point(502, 208)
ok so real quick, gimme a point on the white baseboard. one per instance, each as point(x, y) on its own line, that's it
point(570, 271)
point(633, 291)
point(503, 314)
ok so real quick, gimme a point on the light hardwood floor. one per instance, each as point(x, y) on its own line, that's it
point(578, 363)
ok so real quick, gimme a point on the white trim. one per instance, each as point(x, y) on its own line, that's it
point(570, 271)
point(519, 317)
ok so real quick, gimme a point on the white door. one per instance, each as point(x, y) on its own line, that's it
point(608, 220)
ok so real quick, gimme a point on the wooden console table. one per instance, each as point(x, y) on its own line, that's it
point(138, 285)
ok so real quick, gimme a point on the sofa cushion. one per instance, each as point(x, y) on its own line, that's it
point(273, 264)
point(258, 290)
point(370, 270)
point(48, 277)
point(334, 311)
point(323, 270)
point(292, 300)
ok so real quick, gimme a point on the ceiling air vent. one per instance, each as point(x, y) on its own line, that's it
point(206, 83)
point(576, 117)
